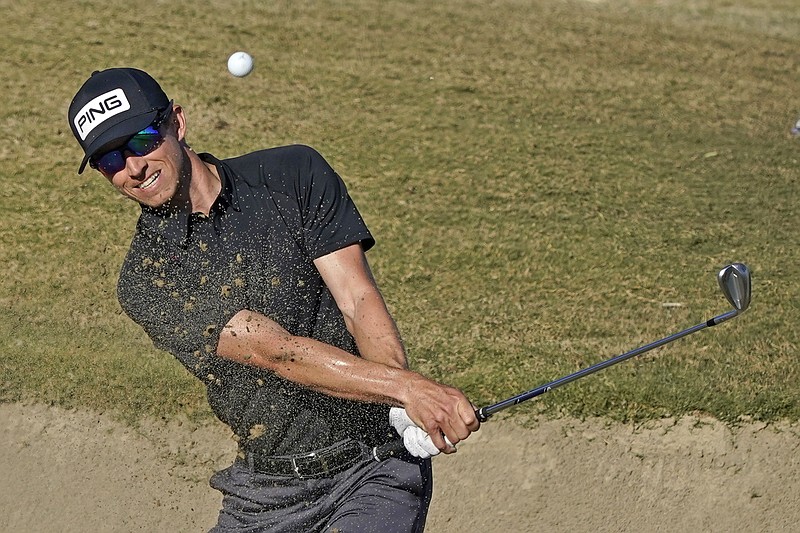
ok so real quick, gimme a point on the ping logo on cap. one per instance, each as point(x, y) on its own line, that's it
point(99, 110)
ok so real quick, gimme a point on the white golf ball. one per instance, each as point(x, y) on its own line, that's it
point(240, 64)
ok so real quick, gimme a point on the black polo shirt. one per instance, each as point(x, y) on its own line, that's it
point(186, 275)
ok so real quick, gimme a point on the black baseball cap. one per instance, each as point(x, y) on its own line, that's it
point(113, 105)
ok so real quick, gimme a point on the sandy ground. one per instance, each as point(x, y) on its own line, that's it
point(68, 471)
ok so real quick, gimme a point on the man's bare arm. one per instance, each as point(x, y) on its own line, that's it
point(254, 339)
point(347, 275)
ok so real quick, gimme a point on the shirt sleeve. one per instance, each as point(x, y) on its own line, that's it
point(329, 215)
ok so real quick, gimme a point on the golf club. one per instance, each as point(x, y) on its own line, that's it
point(734, 280)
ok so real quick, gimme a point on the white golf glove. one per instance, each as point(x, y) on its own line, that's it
point(416, 441)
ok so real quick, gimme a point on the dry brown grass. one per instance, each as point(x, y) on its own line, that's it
point(541, 176)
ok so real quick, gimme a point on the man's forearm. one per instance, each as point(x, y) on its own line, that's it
point(376, 333)
point(440, 410)
point(347, 275)
point(253, 339)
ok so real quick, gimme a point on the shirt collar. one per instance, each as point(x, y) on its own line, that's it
point(229, 193)
point(174, 226)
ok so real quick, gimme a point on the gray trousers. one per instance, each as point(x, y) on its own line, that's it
point(390, 496)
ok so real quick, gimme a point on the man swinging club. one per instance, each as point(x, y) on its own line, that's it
point(252, 272)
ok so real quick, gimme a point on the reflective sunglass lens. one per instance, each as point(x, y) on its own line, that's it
point(144, 143)
point(110, 162)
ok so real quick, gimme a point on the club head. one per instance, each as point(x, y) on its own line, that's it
point(734, 280)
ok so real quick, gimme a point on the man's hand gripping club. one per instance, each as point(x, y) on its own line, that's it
point(448, 421)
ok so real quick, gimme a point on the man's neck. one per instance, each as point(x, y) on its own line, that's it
point(199, 186)
point(204, 185)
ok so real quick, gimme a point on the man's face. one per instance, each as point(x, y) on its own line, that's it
point(154, 179)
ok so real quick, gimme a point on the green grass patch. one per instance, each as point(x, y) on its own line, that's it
point(542, 178)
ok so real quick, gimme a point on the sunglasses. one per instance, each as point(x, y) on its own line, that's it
point(142, 143)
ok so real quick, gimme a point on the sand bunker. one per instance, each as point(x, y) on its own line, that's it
point(76, 471)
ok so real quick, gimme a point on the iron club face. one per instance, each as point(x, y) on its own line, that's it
point(734, 280)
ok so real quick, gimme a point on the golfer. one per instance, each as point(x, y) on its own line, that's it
point(251, 271)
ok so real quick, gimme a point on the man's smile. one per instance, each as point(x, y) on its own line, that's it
point(149, 181)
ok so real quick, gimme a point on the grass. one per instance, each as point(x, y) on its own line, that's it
point(542, 178)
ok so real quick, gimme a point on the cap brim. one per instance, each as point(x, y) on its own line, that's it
point(116, 134)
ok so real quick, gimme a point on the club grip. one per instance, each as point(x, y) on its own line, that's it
point(393, 448)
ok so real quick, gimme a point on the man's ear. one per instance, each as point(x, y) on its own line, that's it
point(179, 121)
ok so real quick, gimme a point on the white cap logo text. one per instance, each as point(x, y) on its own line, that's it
point(99, 110)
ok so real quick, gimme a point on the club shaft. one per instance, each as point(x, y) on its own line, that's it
point(394, 448)
point(484, 413)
